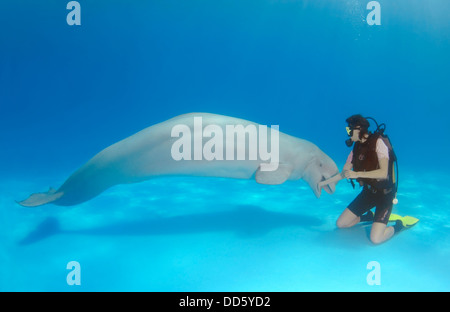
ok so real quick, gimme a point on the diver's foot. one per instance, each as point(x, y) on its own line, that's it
point(398, 226)
point(404, 223)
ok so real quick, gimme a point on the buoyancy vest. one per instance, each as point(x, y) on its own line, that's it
point(365, 158)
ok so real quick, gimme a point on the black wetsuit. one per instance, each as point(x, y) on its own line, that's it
point(375, 193)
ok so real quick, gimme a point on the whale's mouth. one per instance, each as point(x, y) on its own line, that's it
point(314, 175)
point(329, 188)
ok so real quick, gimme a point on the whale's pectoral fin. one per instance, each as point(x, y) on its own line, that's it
point(38, 199)
point(275, 177)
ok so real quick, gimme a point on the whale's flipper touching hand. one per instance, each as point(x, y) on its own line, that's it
point(149, 153)
point(38, 199)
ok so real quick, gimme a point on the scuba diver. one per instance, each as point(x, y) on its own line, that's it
point(371, 163)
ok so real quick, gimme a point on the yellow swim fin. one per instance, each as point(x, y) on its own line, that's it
point(394, 217)
point(405, 222)
point(409, 221)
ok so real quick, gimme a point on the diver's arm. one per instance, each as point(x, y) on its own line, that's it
point(338, 177)
point(380, 173)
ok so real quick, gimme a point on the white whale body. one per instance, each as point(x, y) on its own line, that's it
point(149, 153)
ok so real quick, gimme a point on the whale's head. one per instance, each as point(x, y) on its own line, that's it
point(320, 167)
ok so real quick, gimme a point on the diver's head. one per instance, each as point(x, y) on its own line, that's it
point(357, 130)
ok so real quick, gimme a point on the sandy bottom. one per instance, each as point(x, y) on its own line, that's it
point(209, 234)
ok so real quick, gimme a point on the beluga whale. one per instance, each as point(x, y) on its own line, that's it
point(196, 144)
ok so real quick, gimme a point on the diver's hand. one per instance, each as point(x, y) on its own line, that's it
point(321, 184)
point(334, 179)
point(350, 174)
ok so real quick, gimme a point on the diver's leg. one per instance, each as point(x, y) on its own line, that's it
point(351, 215)
point(347, 219)
point(380, 232)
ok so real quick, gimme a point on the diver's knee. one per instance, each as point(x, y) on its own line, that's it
point(380, 233)
point(346, 219)
point(376, 239)
point(340, 223)
point(343, 223)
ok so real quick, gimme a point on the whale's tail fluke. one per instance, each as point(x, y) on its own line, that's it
point(38, 199)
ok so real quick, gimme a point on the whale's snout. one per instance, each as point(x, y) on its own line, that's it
point(329, 188)
point(320, 169)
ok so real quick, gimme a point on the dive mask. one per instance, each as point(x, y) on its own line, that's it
point(350, 130)
point(349, 141)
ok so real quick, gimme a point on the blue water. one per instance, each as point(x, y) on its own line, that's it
point(67, 92)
